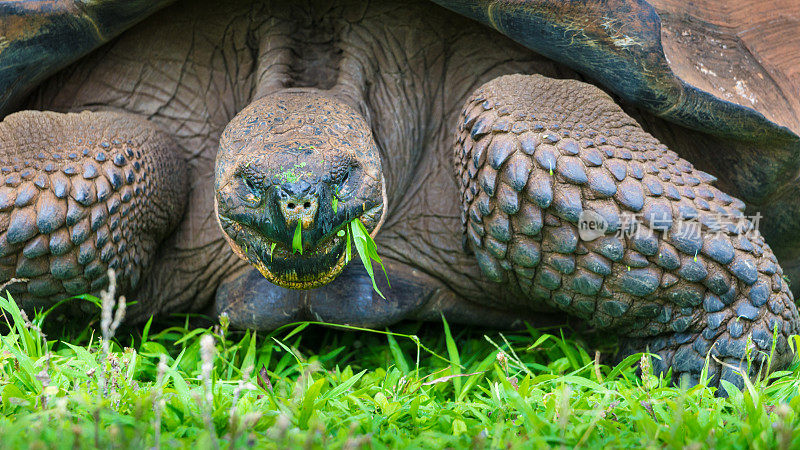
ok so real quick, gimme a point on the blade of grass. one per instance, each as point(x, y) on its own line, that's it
point(297, 240)
point(342, 388)
point(367, 251)
point(397, 354)
point(308, 405)
point(452, 352)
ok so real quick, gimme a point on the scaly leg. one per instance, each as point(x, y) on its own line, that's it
point(534, 155)
point(80, 194)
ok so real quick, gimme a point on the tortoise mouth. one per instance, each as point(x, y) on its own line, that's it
point(286, 267)
point(283, 266)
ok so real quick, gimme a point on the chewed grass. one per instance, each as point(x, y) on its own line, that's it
point(355, 233)
point(177, 385)
point(366, 248)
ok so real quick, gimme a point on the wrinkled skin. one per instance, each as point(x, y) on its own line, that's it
point(404, 73)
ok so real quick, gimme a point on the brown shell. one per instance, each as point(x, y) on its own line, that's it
point(743, 51)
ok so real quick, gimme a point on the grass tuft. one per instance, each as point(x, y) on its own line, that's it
point(173, 384)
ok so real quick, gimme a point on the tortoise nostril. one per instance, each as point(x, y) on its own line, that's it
point(298, 208)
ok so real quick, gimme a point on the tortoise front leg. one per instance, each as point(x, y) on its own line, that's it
point(81, 194)
point(535, 156)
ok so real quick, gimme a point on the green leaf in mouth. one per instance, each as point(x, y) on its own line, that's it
point(297, 241)
point(272, 250)
point(365, 246)
point(335, 200)
point(367, 250)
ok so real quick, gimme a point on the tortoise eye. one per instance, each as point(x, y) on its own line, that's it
point(341, 187)
point(253, 193)
point(249, 183)
point(344, 179)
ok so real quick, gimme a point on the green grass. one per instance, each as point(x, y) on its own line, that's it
point(178, 385)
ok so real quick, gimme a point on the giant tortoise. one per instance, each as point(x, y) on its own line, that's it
point(515, 160)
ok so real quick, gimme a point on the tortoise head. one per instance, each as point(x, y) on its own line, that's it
point(292, 171)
